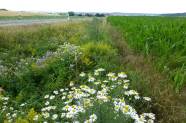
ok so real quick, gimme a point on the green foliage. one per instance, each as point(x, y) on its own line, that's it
point(31, 115)
point(95, 30)
point(21, 120)
point(71, 13)
point(98, 49)
point(102, 97)
point(35, 61)
point(98, 53)
point(19, 50)
point(160, 37)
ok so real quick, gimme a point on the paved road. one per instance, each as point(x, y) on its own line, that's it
point(35, 21)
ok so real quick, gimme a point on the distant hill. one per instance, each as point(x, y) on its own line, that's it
point(132, 14)
point(3, 10)
point(146, 14)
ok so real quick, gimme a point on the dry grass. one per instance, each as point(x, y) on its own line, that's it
point(19, 13)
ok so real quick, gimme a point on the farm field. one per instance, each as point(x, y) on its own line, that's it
point(105, 70)
point(18, 15)
point(8, 13)
point(21, 18)
point(161, 37)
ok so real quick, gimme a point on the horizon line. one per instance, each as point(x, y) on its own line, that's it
point(50, 11)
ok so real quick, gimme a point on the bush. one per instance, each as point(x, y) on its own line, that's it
point(71, 13)
point(98, 54)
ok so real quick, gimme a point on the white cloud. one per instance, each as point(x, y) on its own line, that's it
point(134, 6)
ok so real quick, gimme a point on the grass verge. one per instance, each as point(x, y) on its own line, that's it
point(55, 73)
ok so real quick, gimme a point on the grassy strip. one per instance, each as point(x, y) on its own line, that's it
point(35, 62)
point(28, 78)
point(23, 50)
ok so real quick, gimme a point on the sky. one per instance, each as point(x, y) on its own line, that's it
point(126, 6)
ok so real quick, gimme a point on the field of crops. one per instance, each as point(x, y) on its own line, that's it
point(162, 38)
point(85, 72)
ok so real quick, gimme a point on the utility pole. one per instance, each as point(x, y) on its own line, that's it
point(68, 17)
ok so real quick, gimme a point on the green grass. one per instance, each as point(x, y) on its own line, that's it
point(161, 38)
point(37, 60)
